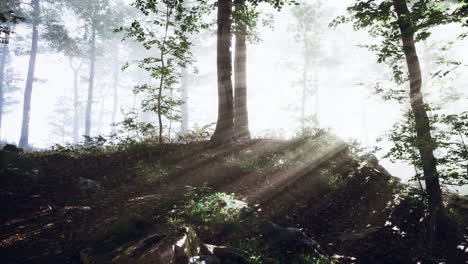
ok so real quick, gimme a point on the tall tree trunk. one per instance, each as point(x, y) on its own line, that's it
point(24, 139)
point(316, 91)
point(305, 75)
point(5, 53)
point(241, 118)
point(92, 68)
point(438, 216)
point(115, 86)
point(184, 107)
point(76, 103)
point(224, 132)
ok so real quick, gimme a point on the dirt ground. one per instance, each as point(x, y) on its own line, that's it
point(353, 211)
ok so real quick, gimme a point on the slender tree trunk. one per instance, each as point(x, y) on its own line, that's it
point(316, 91)
point(101, 111)
point(241, 117)
point(171, 111)
point(161, 79)
point(76, 103)
point(24, 139)
point(438, 216)
point(184, 107)
point(224, 132)
point(115, 87)
point(92, 68)
point(305, 74)
point(5, 53)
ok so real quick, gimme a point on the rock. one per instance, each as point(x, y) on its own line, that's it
point(12, 148)
point(227, 254)
point(175, 246)
point(204, 259)
point(87, 185)
point(373, 162)
point(8, 156)
point(289, 238)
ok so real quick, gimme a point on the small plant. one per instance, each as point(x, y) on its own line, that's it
point(198, 134)
point(202, 206)
point(330, 181)
point(255, 259)
point(215, 208)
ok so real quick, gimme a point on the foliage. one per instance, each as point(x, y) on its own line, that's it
point(166, 27)
point(359, 152)
point(197, 134)
point(61, 121)
point(130, 130)
point(10, 13)
point(316, 136)
point(202, 206)
point(450, 134)
point(380, 21)
point(11, 81)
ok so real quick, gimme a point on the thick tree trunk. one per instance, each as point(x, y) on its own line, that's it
point(89, 102)
point(76, 103)
point(184, 126)
point(241, 117)
point(24, 139)
point(224, 132)
point(438, 217)
point(5, 52)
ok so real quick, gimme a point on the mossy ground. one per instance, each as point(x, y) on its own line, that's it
point(308, 184)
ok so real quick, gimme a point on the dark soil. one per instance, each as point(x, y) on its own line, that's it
point(352, 211)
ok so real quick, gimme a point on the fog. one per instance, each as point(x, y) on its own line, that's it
point(344, 74)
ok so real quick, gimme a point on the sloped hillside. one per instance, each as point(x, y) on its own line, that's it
point(74, 205)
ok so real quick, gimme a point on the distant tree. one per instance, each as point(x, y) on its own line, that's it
point(61, 40)
point(307, 28)
point(35, 19)
point(76, 102)
point(8, 80)
point(98, 22)
point(184, 121)
point(10, 13)
point(3, 60)
point(61, 121)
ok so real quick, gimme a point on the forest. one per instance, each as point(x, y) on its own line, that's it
point(234, 131)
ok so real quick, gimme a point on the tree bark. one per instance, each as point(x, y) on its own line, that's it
point(224, 132)
point(241, 118)
point(92, 68)
point(24, 139)
point(5, 52)
point(437, 213)
point(184, 107)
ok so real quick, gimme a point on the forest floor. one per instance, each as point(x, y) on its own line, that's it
point(54, 204)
